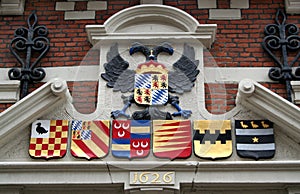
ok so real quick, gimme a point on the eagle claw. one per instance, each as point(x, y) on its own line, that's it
point(118, 113)
point(184, 113)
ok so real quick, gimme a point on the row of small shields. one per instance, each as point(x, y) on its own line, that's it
point(171, 139)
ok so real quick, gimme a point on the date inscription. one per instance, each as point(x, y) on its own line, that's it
point(152, 178)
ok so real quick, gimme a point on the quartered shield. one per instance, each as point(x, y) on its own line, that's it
point(151, 89)
point(172, 139)
point(131, 138)
point(212, 139)
point(90, 139)
point(254, 139)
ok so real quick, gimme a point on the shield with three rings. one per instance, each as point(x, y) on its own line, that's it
point(131, 138)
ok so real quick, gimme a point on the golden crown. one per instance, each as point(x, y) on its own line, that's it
point(151, 67)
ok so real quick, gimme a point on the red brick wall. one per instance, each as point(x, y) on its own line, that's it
point(238, 42)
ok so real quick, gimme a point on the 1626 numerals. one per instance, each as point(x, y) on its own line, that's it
point(152, 178)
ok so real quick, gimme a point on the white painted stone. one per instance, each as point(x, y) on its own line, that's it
point(79, 15)
point(31, 107)
point(211, 74)
point(9, 91)
point(235, 74)
point(239, 4)
point(266, 103)
point(10, 1)
point(296, 91)
point(225, 14)
point(292, 6)
point(97, 5)
point(293, 190)
point(15, 7)
point(110, 175)
point(157, 22)
point(64, 6)
point(11, 191)
point(151, 24)
point(207, 4)
point(152, 2)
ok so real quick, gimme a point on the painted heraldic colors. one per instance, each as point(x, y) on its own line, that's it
point(131, 138)
point(90, 139)
point(212, 139)
point(172, 139)
point(151, 89)
point(49, 139)
point(255, 138)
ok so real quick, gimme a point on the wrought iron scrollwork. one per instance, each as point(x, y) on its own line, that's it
point(282, 38)
point(29, 46)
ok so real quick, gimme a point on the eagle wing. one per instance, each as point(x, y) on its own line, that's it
point(185, 72)
point(117, 74)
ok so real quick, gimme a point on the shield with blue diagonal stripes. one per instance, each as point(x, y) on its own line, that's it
point(151, 89)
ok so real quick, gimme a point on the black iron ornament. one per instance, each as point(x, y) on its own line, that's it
point(284, 39)
point(29, 46)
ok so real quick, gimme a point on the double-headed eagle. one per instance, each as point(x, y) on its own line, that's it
point(151, 83)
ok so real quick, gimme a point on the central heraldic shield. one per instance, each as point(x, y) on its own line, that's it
point(151, 84)
point(151, 89)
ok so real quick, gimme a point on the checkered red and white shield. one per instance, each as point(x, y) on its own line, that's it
point(49, 139)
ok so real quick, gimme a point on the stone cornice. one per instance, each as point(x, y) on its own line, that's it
point(9, 91)
point(9, 7)
point(266, 103)
point(292, 6)
point(14, 119)
point(105, 172)
point(296, 91)
point(188, 27)
point(155, 165)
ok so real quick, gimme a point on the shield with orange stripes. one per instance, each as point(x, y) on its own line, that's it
point(90, 139)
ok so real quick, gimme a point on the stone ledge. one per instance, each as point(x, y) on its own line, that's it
point(64, 6)
point(9, 91)
point(293, 190)
point(33, 106)
point(266, 103)
point(292, 6)
point(239, 4)
point(207, 4)
point(79, 15)
point(296, 91)
point(97, 5)
point(14, 7)
point(160, 2)
point(164, 15)
point(225, 14)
